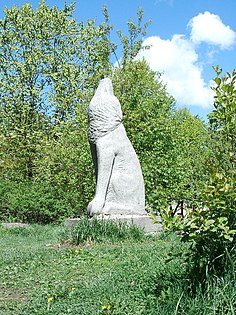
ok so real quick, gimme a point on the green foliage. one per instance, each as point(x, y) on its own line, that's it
point(211, 228)
point(146, 113)
point(65, 162)
point(95, 230)
point(189, 157)
point(50, 65)
point(223, 121)
point(171, 144)
point(37, 202)
point(132, 43)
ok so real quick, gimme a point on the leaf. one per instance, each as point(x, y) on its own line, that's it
point(209, 222)
point(228, 237)
point(217, 80)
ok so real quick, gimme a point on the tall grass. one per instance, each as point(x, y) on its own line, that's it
point(98, 230)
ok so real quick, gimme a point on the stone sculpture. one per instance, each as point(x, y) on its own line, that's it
point(119, 180)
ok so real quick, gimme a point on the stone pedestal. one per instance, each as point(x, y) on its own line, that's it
point(15, 225)
point(142, 221)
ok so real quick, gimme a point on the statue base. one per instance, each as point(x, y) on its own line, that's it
point(142, 221)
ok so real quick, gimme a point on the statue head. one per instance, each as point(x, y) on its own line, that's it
point(104, 111)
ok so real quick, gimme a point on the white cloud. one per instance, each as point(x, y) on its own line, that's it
point(209, 28)
point(177, 59)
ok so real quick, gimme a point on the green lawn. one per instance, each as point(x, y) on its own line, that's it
point(41, 275)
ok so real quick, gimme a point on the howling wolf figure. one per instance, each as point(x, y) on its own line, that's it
point(119, 180)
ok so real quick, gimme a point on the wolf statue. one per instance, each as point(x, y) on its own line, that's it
point(119, 180)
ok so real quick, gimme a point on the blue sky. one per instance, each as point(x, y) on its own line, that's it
point(187, 38)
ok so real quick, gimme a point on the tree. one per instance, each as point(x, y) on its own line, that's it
point(223, 121)
point(146, 113)
point(191, 154)
point(171, 144)
point(211, 228)
point(48, 65)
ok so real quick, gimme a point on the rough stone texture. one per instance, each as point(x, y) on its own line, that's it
point(71, 222)
point(15, 225)
point(119, 180)
point(144, 222)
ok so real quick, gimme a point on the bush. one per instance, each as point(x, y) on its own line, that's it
point(37, 202)
point(212, 229)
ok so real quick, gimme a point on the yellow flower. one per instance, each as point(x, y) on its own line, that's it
point(106, 307)
point(50, 299)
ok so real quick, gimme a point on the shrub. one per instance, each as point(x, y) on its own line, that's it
point(212, 229)
point(37, 202)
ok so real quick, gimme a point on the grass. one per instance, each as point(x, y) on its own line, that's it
point(97, 230)
point(41, 275)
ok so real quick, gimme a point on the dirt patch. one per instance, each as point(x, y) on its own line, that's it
point(13, 294)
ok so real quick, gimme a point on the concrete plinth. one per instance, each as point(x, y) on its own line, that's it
point(142, 221)
point(15, 225)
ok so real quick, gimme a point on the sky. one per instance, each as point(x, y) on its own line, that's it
point(186, 38)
